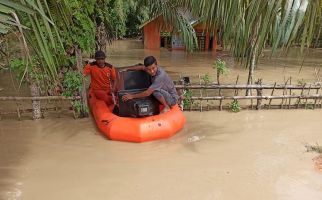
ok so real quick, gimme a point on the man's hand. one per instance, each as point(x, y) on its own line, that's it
point(127, 97)
point(165, 109)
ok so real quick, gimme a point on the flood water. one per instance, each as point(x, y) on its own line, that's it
point(218, 155)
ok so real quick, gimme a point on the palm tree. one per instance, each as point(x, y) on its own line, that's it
point(76, 22)
point(40, 36)
point(173, 12)
point(248, 25)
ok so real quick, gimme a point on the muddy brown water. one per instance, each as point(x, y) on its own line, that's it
point(218, 155)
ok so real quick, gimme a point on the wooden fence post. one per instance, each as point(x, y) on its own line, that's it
point(36, 107)
point(317, 92)
point(259, 93)
point(299, 100)
point(270, 101)
point(289, 101)
point(83, 94)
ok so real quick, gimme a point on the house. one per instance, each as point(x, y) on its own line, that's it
point(157, 34)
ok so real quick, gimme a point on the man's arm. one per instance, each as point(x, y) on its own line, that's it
point(87, 70)
point(146, 93)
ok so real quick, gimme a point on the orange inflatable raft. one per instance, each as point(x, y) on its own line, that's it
point(136, 129)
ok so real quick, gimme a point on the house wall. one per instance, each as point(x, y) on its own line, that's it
point(177, 43)
point(202, 27)
point(152, 37)
point(214, 43)
point(151, 33)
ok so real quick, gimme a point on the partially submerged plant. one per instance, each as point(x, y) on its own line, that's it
point(316, 148)
point(301, 82)
point(72, 83)
point(206, 79)
point(33, 74)
point(221, 68)
point(78, 107)
point(309, 106)
point(234, 106)
point(187, 94)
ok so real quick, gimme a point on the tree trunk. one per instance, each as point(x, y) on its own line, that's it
point(36, 108)
point(252, 64)
point(83, 94)
point(251, 69)
point(101, 37)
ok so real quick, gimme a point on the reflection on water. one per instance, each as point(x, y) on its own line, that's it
point(218, 155)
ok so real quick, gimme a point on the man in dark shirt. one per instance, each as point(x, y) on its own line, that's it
point(162, 87)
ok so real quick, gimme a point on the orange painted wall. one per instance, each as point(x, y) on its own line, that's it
point(201, 27)
point(152, 35)
point(214, 43)
point(207, 41)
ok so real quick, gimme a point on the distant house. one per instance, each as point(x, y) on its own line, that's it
point(155, 37)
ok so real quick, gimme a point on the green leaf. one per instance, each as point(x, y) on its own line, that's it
point(4, 29)
point(16, 6)
point(5, 9)
point(41, 12)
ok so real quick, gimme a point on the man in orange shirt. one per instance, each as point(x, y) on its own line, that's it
point(103, 77)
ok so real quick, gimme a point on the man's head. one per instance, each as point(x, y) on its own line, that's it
point(151, 65)
point(100, 58)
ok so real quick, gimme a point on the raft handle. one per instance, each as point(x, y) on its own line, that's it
point(105, 122)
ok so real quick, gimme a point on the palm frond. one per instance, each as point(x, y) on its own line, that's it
point(173, 12)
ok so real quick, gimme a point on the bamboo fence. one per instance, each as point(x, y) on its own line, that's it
point(290, 96)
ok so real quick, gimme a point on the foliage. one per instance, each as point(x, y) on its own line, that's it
point(72, 83)
point(38, 32)
point(221, 68)
point(76, 21)
point(18, 65)
point(309, 106)
point(234, 106)
point(77, 26)
point(136, 14)
point(117, 17)
point(316, 148)
point(174, 13)
point(248, 25)
point(187, 94)
point(51, 31)
point(301, 82)
point(8, 16)
point(79, 107)
point(31, 74)
point(206, 79)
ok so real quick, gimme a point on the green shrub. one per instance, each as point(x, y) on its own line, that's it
point(72, 83)
point(234, 106)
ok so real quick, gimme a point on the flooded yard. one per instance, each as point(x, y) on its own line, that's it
point(218, 154)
